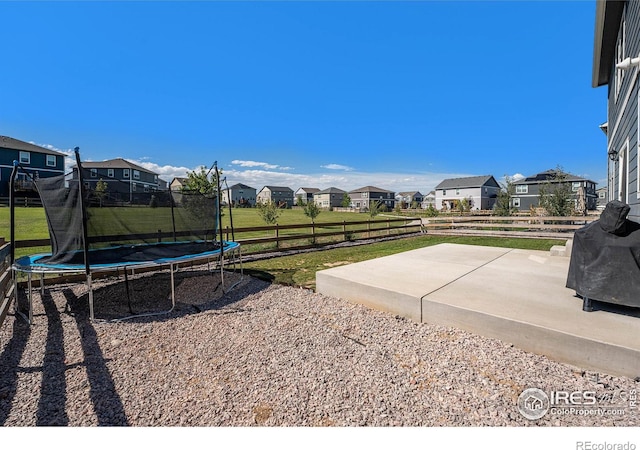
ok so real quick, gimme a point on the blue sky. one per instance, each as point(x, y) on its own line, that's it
point(397, 95)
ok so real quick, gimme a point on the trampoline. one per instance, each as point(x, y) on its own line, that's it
point(97, 224)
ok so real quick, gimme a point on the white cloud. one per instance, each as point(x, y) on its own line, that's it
point(337, 167)
point(264, 165)
point(397, 182)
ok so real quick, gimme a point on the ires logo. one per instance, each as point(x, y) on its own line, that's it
point(534, 403)
point(575, 398)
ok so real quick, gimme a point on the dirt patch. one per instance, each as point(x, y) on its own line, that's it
point(337, 263)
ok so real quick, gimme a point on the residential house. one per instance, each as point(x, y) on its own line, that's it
point(239, 195)
point(412, 199)
point(363, 197)
point(126, 181)
point(280, 195)
point(527, 190)
point(329, 198)
point(306, 194)
point(603, 197)
point(480, 191)
point(177, 184)
point(429, 200)
point(616, 64)
point(36, 161)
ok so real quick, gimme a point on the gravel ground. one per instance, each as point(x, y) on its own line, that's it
point(267, 355)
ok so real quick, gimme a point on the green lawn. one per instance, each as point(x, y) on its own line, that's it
point(300, 270)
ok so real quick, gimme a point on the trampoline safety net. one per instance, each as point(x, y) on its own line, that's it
point(125, 224)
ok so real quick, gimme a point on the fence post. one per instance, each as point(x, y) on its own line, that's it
point(369, 228)
point(344, 229)
point(313, 232)
point(159, 236)
point(277, 236)
point(388, 226)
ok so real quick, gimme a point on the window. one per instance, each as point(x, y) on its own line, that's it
point(522, 189)
point(457, 191)
point(444, 192)
point(110, 173)
point(601, 194)
point(133, 187)
point(125, 173)
point(94, 173)
point(51, 160)
point(516, 202)
point(25, 158)
point(575, 186)
point(146, 188)
point(136, 174)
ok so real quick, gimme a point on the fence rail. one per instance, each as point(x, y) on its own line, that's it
point(6, 285)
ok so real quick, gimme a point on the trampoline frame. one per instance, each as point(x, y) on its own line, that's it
point(29, 266)
point(231, 248)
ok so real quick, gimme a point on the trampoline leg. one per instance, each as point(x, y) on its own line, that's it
point(30, 296)
point(90, 288)
point(173, 289)
point(586, 304)
point(42, 285)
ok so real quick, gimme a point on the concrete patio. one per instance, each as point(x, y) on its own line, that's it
point(517, 296)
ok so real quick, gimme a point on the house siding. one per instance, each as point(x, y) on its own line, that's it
point(37, 166)
point(623, 118)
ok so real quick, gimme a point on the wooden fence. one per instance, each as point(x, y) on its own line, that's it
point(6, 285)
point(512, 226)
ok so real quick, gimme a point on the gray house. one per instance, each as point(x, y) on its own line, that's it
point(280, 195)
point(363, 197)
point(603, 197)
point(38, 162)
point(527, 190)
point(480, 191)
point(410, 199)
point(616, 64)
point(329, 198)
point(306, 194)
point(239, 195)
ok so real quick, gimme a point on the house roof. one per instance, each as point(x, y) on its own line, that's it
point(117, 163)
point(411, 193)
point(277, 188)
point(15, 144)
point(467, 182)
point(331, 190)
point(370, 189)
point(608, 16)
point(309, 190)
point(549, 175)
point(241, 186)
point(180, 180)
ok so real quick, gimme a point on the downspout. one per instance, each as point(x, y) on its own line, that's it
point(12, 207)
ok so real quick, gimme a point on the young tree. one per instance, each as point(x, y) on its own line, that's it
point(300, 201)
point(101, 190)
point(346, 200)
point(312, 211)
point(376, 207)
point(504, 203)
point(269, 212)
point(202, 181)
point(556, 195)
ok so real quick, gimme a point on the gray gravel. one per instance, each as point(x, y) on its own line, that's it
point(267, 355)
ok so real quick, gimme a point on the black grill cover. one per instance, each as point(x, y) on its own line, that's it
point(605, 259)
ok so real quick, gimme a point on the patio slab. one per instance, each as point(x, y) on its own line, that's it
point(518, 296)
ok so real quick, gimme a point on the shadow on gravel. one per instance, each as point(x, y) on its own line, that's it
point(107, 404)
point(9, 366)
point(196, 291)
point(53, 388)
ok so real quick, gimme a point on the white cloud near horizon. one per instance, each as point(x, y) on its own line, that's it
point(337, 167)
point(264, 165)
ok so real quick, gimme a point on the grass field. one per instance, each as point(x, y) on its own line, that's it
point(297, 270)
point(300, 270)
